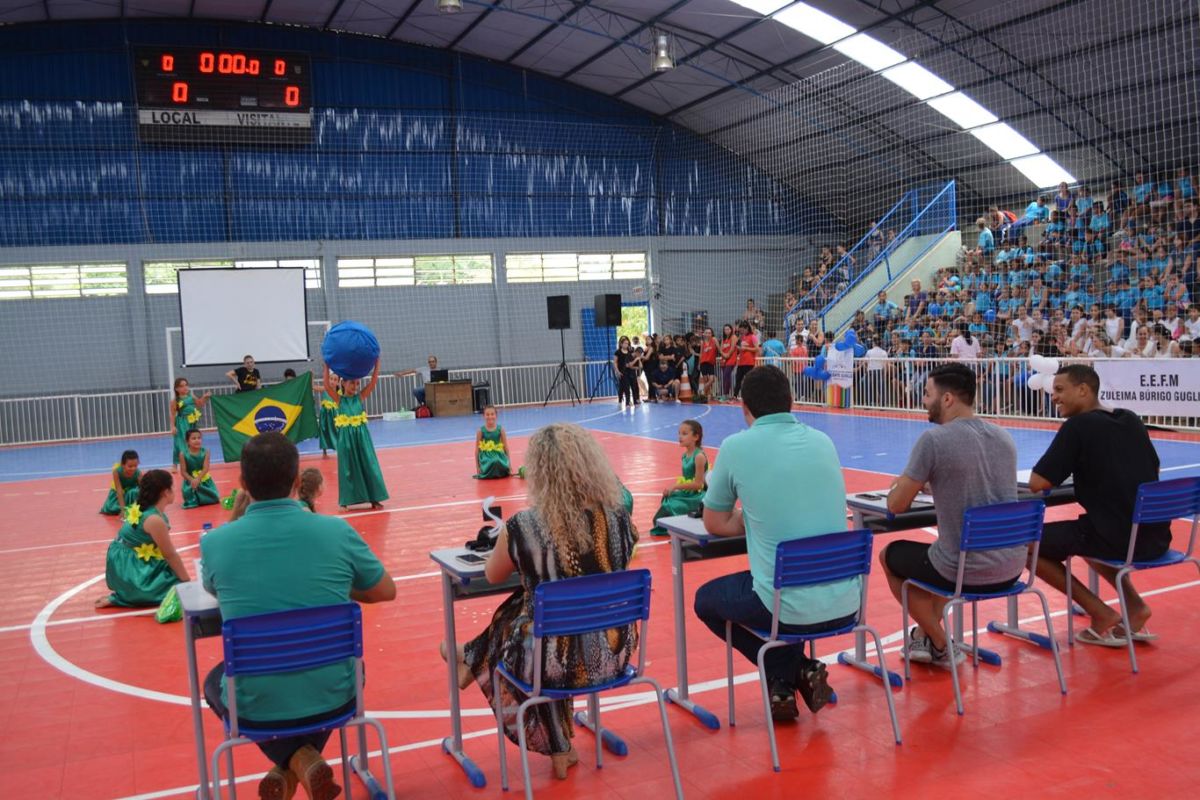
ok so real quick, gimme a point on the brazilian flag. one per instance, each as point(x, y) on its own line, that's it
point(285, 408)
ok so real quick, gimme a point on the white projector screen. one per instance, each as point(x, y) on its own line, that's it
point(227, 314)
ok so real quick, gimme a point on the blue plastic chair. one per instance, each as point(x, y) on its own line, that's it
point(290, 641)
point(993, 527)
point(572, 607)
point(1159, 501)
point(806, 562)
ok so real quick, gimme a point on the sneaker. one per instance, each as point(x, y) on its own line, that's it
point(941, 658)
point(919, 646)
point(812, 681)
point(783, 701)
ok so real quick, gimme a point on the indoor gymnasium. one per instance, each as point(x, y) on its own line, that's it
point(599, 398)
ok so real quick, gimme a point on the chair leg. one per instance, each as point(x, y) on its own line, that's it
point(975, 634)
point(729, 670)
point(1062, 681)
point(662, 715)
point(347, 763)
point(594, 712)
point(232, 780)
point(887, 683)
point(389, 780)
point(524, 751)
point(950, 653)
point(1125, 618)
point(766, 696)
point(498, 700)
point(1070, 606)
point(904, 630)
point(215, 768)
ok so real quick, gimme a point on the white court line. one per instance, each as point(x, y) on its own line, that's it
point(622, 702)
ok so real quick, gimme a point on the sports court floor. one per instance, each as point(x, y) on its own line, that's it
point(94, 704)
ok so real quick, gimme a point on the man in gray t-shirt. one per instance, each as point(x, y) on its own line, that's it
point(966, 462)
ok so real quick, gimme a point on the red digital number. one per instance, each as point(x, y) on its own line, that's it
point(239, 64)
point(252, 66)
point(225, 63)
point(291, 96)
point(168, 62)
point(280, 66)
point(207, 62)
point(179, 92)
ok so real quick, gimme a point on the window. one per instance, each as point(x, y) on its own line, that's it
point(571, 267)
point(62, 280)
point(160, 275)
point(414, 271)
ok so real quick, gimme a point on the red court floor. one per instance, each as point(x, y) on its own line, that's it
point(94, 705)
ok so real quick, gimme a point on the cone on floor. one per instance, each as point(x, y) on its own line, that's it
point(685, 388)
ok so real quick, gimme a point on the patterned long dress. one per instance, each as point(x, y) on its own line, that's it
point(680, 501)
point(567, 662)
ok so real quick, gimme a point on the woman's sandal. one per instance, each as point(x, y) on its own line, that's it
point(563, 762)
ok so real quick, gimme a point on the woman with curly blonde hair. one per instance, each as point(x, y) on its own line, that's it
point(577, 526)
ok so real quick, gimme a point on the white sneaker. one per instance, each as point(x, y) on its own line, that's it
point(941, 658)
point(920, 649)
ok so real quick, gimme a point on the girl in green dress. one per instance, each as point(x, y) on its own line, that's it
point(123, 489)
point(491, 448)
point(326, 431)
point(359, 477)
point(198, 486)
point(185, 415)
point(142, 564)
point(312, 486)
point(687, 493)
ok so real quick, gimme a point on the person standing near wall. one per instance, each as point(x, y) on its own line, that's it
point(247, 376)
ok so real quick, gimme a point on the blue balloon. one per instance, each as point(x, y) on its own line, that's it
point(350, 350)
point(819, 363)
point(823, 375)
point(989, 315)
point(935, 309)
point(848, 341)
point(860, 350)
point(809, 372)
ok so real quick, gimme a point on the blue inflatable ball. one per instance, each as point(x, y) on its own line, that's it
point(935, 309)
point(860, 350)
point(350, 350)
point(989, 315)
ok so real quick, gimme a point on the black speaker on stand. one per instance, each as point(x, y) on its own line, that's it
point(608, 315)
point(558, 318)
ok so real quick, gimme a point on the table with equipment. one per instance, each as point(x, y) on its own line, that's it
point(449, 398)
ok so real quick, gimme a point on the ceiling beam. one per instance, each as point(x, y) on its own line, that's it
point(400, 20)
point(474, 24)
point(520, 51)
point(650, 23)
point(332, 14)
point(266, 10)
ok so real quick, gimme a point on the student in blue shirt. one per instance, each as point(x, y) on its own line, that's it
point(1100, 223)
point(1118, 200)
point(1118, 270)
point(983, 301)
point(987, 242)
point(789, 481)
point(1083, 202)
point(1143, 190)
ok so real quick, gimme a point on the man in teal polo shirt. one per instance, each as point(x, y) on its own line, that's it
point(789, 480)
point(280, 556)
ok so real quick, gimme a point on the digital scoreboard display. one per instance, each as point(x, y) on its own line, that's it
point(222, 95)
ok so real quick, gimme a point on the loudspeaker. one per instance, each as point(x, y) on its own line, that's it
point(558, 312)
point(608, 310)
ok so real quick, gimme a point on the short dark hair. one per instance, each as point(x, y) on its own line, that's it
point(765, 390)
point(1081, 373)
point(957, 379)
point(129, 455)
point(270, 464)
point(289, 373)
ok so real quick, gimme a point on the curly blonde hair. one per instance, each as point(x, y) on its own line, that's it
point(568, 475)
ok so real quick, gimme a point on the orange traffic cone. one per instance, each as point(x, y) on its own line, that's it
point(685, 388)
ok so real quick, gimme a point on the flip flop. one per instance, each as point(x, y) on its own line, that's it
point(1138, 636)
point(1089, 636)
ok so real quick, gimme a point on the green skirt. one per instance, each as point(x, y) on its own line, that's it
point(493, 464)
point(112, 505)
point(135, 582)
point(676, 504)
point(359, 478)
point(205, 494)
point(326, 431)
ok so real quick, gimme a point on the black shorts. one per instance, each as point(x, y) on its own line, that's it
point(906, 559)
point(708, 369)
point(1078, 537)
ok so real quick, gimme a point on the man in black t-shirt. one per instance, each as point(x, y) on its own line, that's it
point(246, 376)
point(1109, 454)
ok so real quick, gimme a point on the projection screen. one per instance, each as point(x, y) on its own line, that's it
point(230, 313)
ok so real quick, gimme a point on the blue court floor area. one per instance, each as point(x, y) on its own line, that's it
point(864, 442)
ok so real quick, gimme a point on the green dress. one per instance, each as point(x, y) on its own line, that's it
point(626, 498)
point(493, 460)
point(326, 431)
point(187, 416)
point(680, 501)
point(135, 569)
point(129, 493)
point(206, 493)
point(359, 477)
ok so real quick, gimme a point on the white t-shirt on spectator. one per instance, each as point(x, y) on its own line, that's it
point(959, 348)
point(1113, 328)
point(875, 358)
point(1023, 328)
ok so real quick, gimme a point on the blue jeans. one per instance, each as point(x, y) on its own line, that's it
point(419, 394)
point(732, 598)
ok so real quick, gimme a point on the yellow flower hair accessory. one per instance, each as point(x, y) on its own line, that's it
point(133, 514)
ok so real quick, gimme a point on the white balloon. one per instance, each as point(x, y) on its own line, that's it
point(1037, 380)
point(1048, 384)
point(1051, 365)
point(1038, 363)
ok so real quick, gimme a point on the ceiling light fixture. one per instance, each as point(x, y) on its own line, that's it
point(662, 60)
point(449, 6)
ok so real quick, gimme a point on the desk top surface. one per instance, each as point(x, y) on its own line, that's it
point(195, 600)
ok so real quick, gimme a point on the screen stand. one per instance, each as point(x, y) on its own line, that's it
point(563, 374)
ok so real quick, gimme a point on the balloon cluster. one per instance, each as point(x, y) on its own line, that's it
point(817, 371)
point(850, 342)
point(1043, 373)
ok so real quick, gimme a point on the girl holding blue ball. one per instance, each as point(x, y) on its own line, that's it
point(359, 478)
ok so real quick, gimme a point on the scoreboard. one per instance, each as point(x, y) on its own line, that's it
point(209, 95)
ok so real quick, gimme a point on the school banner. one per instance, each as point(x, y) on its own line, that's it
point(285, 408)
point(1167, 387)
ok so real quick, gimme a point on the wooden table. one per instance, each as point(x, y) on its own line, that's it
point(449, 398)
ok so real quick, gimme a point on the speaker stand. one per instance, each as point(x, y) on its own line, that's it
point(604, 373)
point(563, 375)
